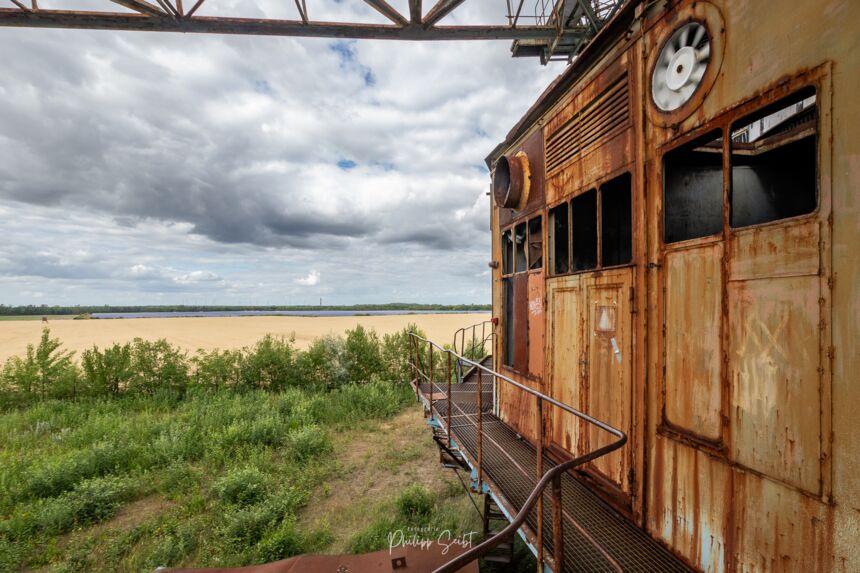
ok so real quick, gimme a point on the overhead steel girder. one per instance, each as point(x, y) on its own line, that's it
point(268, 27)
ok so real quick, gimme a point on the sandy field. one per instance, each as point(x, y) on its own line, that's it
point(220, 332)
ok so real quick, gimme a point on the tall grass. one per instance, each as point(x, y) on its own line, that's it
point(234, 440)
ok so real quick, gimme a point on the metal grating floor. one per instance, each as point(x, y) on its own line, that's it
point(596, 537)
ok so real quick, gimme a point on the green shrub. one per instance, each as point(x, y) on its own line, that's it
point(284, 541)
point(270, 364)
point(241, 486)
point(309, 442)
point(245, 526)
point(415, 503)
point(109, 371)
point(353, 404)
point(46, 370)
point(397, 351)
point(64, 473)
point(219, 368)
point(89, 502)
point(322, 365)
point(178, 479)
point(158, 366)
point(362, 354)
point(265, 430)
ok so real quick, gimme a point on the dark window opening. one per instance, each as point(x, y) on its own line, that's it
point(507, 253)
point(693, 189)
point(520, 248)
point(508, 287)
point(616, 214)
point(559, 229)
point(774, 166)
point(584, 225)
point(535, 244)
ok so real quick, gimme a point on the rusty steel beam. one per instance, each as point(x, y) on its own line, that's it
point(14, 17)
point(415, 11)
point(440, 10)
point(168, 7)
point(303, 10)
point(141, 6)
point(194, 8)
point(388, 11)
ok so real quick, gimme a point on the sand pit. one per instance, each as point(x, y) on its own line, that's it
point(220, 332)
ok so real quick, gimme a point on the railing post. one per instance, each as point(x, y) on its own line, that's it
point(480, 435)
point(449, 400)
point(415, 366)
point(431, 380)
point(474, 331)
point(539, 466)
point(557, 533)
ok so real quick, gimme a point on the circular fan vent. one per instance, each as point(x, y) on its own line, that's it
point(681, 66)
point(511, 180)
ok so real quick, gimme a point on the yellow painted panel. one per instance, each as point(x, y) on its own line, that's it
point(693, 358)
point(774, 360)
point(565, 354)
point(609, 372)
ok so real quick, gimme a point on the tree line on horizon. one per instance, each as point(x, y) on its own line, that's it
point(32, 309)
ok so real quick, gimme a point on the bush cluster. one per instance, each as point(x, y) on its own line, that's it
point(235, 441)
point(143, 367)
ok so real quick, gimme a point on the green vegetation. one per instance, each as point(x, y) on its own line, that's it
point(8, 317)
point(140, 456)
point(33, 312)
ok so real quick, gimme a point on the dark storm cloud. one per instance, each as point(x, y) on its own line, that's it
point(50, 267)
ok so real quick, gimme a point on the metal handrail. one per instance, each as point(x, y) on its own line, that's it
point(473, 327)
point(552, 476)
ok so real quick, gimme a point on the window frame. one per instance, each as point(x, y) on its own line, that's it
point(508, 336)
point(596, 186)
point(724, 123)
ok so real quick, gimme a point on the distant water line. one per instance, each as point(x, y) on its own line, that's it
point(305, 313)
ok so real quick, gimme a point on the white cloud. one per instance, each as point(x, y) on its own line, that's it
point(212, 165)
point(312, 279)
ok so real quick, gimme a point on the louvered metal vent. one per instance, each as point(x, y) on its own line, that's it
point(590, 127)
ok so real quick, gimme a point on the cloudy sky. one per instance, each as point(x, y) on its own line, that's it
point(186, 169)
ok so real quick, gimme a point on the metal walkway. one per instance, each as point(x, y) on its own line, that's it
point(596, 537)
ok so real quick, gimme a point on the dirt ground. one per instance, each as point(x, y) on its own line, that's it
point(375, 463)
point(221, 332)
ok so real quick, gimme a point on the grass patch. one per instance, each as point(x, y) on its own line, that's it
point(237, 467)
point(141, 456)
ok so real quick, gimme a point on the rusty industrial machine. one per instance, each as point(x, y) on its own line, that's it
point(675, 263)
point(670, 379)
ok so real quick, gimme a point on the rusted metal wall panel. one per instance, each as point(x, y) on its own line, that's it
point(565, 356)
point(689, 503)
point(766, 252)
point(610, 395)
point(516, 407)
point(774, 364)
point(779, 529)
point(692, 384)
point(612, 153)
point(521, 322)
point(537, 323)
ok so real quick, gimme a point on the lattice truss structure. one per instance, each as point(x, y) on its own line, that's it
point(549, 29)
